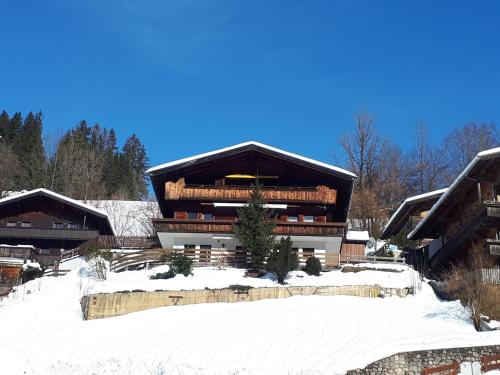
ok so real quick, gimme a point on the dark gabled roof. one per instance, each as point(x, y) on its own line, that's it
point(400, 217)
point(470, 175)
point(252, 145)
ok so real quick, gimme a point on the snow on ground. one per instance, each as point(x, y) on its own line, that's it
point(208, 277)
point(43, 332)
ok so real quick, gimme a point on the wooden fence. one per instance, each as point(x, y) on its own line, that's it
point(235, 258)
point(491, 275)
point(451, 369)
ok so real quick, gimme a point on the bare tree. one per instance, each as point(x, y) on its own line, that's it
point(465, 282)
point(378, 164)
point(464, 143)
point(426, 168)
point(361, 149)
point(76, 171)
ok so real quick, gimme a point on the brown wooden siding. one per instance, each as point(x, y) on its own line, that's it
point(352, 249)
point(226, 226)
point(179, 190)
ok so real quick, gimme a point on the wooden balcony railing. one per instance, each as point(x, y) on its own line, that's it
point(179, 190)
point(21, 252)
point(48, 233)
point(226, 226)
point(485, 214)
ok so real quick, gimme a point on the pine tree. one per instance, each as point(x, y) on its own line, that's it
point(282, 259)
point(135, 157)
point(255, 227)
point(4, 125)
point(30, 151)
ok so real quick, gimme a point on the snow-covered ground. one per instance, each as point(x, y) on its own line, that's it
point(43, 331)
point(208, 277)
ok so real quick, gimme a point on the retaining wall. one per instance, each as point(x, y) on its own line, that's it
point(412, 363)
point(104, 305)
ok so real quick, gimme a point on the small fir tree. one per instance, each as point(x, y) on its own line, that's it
point(313, 266)
point(254, 228)
point(282, 259)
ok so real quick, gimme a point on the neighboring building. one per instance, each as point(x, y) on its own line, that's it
point(467, 215)
point(49, 222)
point(410, 213)
point(199, 197)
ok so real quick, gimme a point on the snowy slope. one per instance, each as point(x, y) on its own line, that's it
point(43, 333)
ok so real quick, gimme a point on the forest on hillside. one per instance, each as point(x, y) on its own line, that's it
point(388, 174)
point(84, 162)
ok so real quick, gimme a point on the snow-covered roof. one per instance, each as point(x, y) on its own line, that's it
point(256, 144)
point(357, 235)
point(483, 155)
point(407, 202)
point(18, 246)
point(58, 197)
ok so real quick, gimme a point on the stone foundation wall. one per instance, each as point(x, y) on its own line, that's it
point(106, 305)
point(412, 363)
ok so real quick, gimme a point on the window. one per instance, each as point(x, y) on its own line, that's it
point(293, 219)
point(72, 226)
point(192, 215)
point(307, 252)
point(308, 219)
point(208, 216)
point(58, 225)
point(11, 224)
point(26, 224)
point(189, 249)
point(204, 253)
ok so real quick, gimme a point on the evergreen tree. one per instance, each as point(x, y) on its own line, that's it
point(136, 158)
point(4, 125)
point(30, 152)
point(255, 227)
point(16, 123)
point(282, 259)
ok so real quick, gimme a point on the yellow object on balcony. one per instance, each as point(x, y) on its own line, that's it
point(249, 176)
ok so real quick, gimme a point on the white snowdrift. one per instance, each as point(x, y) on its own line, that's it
point(43, 332)
point(208, 277)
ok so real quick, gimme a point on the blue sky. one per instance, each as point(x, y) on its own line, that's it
point(191, 76)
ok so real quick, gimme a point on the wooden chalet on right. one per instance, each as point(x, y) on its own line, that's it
point(467, 215)
point(448, 224)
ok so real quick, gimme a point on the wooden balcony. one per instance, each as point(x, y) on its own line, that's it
point(179, 190)
point(485, 214)
point(492, 247)
point(65, 234)
point(226, 226)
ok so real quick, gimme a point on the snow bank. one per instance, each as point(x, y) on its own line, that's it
point(208, 277)
point(43, 332)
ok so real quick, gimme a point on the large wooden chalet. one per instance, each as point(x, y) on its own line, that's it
point(467, 215)
point(199, 197)
point(48, 222)
point(448, 224)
